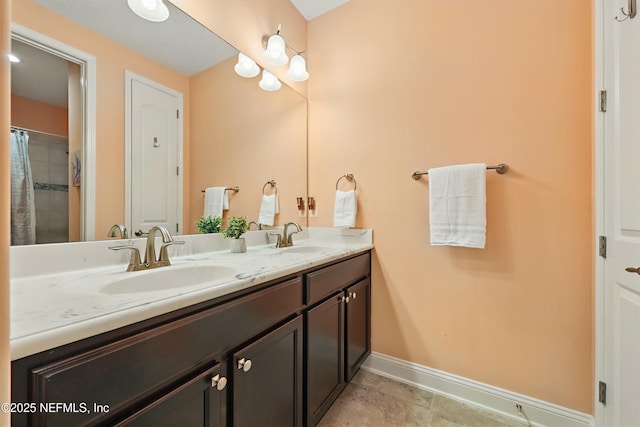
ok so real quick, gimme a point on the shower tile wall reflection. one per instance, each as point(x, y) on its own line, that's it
point(50, 170)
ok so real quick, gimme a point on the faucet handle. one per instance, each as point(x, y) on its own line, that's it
point(279, 241)
point(134, 261)
point(164, 255)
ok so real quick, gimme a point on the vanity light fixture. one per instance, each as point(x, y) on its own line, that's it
point(298, 69)
point(151, 10)
point(269, 82)
point(246, 67)
point(13, 58)
point(275, 53)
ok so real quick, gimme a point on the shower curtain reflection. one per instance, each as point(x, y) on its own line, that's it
point(23, 216)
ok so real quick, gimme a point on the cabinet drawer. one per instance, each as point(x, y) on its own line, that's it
point(127, 371)
point(322, 283)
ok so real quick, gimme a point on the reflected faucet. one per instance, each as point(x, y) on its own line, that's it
point(118, 228)
point(257, 224)
point(284, 240)
point(150, 259)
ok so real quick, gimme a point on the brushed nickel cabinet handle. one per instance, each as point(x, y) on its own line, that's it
point(245, 364)
point(218, 382)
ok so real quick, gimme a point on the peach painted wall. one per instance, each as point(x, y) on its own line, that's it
point(244, 23)
point(111, 59)
point(241, 136)
point(398, 88)
point(5, 227)
point(36, 115)
point(75, 143)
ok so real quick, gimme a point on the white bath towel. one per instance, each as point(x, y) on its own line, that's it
point(216, 199)
point(457, 205)
point(346, 209)
point(268, 209)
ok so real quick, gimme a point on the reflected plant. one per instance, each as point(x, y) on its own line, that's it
point(209, 224)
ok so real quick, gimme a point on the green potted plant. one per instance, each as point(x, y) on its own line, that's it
point(236, 227)
point(209, 224)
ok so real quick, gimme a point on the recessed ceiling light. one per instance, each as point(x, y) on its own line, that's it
point(151, 10)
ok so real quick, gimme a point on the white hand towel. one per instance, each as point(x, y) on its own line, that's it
point(216, 199)
point(268, 209)
point(346, 209)
point(457, 205)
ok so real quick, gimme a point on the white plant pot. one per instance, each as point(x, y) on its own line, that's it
point(238, 245)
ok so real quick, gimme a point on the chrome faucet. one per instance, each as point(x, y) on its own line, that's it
point(258, 225)
point(284, 240)
point(150, 259)
point(118, 228)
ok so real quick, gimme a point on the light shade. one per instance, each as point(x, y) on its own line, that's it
point(246, 67)
point(275, 53)
point(151, 10)
point(298, 69)
point(269, 82)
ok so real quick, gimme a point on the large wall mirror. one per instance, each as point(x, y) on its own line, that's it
point(234, 134)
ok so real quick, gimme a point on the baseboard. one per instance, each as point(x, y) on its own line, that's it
point(537, 412)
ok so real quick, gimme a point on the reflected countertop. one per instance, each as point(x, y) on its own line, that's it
point(56, 298)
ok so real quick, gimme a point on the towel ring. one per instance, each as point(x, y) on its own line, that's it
point(273, 185)
point(350, 178)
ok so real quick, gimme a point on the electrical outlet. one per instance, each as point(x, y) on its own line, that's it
point(519, 409)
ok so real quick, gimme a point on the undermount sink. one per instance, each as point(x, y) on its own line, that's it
point(165, 278)
point(302, 249)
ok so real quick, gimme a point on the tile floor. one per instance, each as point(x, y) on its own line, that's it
point(374, 401)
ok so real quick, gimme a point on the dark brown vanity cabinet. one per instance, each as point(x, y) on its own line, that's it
point(267, 379)
point(276, 355)
point(196, 403)
point(151, 370)
point(338, 336)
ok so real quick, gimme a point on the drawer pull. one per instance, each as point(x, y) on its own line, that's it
point(353, 295)
point(219, 382)
point(244, 364)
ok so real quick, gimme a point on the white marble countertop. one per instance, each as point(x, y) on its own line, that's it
point(58, 294)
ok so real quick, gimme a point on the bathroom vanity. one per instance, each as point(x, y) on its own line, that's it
point(276, 351)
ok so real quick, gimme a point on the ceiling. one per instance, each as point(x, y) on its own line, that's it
point(311, 9)
point(39, 75)
point(166, 42)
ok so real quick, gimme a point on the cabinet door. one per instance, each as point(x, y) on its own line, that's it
point(325, 356)
point(267, 379)
point(358, 337)
point(196, 403)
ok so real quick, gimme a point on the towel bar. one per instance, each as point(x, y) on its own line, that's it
point(502, 168)
point(350, 178)
point(234, 189)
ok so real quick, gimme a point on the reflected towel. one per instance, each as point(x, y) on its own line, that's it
point(346, 209)
point(268, 209)
point(216, 199)
point(457, 205)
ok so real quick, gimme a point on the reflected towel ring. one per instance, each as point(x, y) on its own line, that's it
point(273, 185)
point(350, 178)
